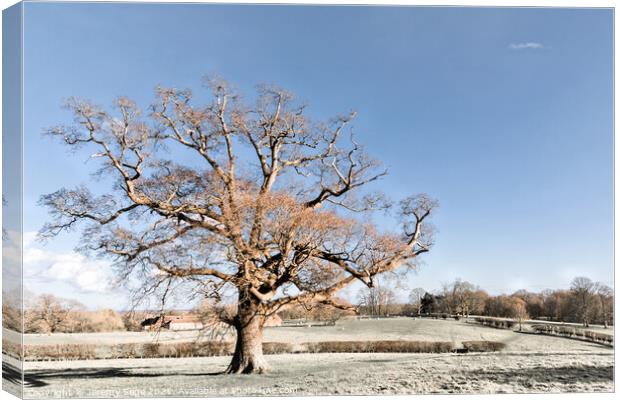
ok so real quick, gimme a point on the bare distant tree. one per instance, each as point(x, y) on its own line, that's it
point(277, 230)
point(51, 313)
point(534, 302)
point(583, 289)
point(376, 300)
point(518, 310)
point(459, 296)
point(415, 298)
point(12, 314)
point(605, 296)
point(557, 304)
point(476, 301)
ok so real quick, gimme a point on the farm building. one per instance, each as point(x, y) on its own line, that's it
point(184, 323)
point(153, 323)
point(173, 322)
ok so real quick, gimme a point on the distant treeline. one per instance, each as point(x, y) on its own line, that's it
point(586, 302)
point(50, 314)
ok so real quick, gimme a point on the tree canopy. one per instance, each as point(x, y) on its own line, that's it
point(258, 198)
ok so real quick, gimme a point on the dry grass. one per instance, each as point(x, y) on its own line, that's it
point(60, 352)
point(383, 346)
point(333, 374)
point(277, 348)
point(12, 349)
point(483, 346)
point(214, 349)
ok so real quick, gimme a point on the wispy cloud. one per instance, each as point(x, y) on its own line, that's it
point(86, 275)
point(526, 45)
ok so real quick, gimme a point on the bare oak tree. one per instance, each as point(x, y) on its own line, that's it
point(415, 298)
point(51, 313)
point(583, 289)
point(260, 200)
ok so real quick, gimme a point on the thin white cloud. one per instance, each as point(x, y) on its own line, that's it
point(86, 275)
point(48, 266)
point(526, 45)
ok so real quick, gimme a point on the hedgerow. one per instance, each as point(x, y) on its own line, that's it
point(574, 332)
point(496, 322)
point(211, 349)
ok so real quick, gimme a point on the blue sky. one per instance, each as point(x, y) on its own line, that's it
point(504, 115)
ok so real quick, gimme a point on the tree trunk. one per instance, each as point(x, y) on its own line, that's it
point(248, 357)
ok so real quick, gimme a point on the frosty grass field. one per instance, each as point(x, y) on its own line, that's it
point(529, 363)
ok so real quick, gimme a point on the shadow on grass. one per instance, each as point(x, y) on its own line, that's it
point(531, 376)
point(11, 373)
point(44, 377)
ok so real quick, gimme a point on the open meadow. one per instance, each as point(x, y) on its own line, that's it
point(529, 363)
point(400, 328)
point(213, 200)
